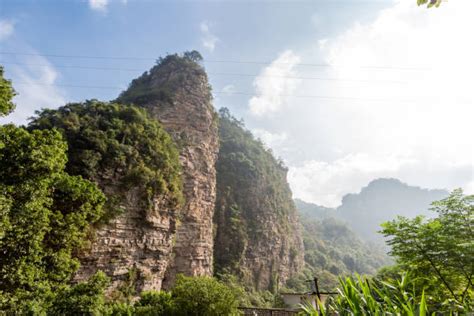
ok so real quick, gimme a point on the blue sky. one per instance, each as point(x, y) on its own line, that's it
point(347, 91)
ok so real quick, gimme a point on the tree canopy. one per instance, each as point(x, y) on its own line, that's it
point(45, 216)
point(6, 95)
point(118, 146)
point(441, 249)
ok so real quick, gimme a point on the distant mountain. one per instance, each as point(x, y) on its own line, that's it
point(333, 250)
point(382, 200)
point(344, 240)
point(313, 211)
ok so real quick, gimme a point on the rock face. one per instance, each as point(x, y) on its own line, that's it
point(134, 247)
point(257, 231)
point(136, 164)
point(177, 93)
point(252, 231)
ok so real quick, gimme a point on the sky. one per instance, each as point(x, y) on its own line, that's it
point(343, 91)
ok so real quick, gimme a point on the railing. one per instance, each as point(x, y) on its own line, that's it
point(257, 311)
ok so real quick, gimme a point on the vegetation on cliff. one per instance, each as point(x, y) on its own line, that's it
point(45, 215)
point(257, 235)
point(142, 91)
point(117, 146)
point(176, 92)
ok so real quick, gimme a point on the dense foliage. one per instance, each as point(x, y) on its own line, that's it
point(190, 296)
point(85, 298)
point(117, 146)
point(434, 270)
point(45, 215)
point(363, 296)
point(441, 248)
point(332, 250)
point(253, 204)
point(6, 95)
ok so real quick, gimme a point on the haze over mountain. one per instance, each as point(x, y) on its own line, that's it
point(381, 200)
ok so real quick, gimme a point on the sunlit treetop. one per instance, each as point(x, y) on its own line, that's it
point(430, 3)
point(6, 95)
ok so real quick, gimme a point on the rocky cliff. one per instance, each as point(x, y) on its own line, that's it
point(153, 152)
point(257, 231)
point(136, 164)
point(176, 92)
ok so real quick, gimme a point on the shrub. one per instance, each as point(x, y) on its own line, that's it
point(203, 296)
point(153, 303)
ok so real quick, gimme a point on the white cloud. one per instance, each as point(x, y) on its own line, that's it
point(325, 183)
point(271, 140)
point(420, 127)
point(208, 39)
point(99, 5)
point(273, 85)
point(6, 29)
point(102, 5)
point(35, 89)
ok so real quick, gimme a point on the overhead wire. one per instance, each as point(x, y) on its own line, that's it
point(227, 93)
point(218, 61)
point(212, 73)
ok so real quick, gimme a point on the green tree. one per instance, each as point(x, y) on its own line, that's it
point(46, 214)
point(6, 95)
point(85, 298)
point(203, 296)
point(153, 303)
point(441, 249)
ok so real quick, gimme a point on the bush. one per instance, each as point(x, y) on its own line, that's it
point(203, 296)
point(82, 299)
point(153, 303)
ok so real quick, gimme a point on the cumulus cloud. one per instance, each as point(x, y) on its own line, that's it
point(208, 39)
point(325, 183)
point(273, 86)
point(6, 29)
point(99, 5)
point(270, 140)
point(416, 64)
point(35, 88)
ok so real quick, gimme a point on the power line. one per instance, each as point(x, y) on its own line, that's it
point(218, 61)
point(65, 85)
point(225, 93)
point(211, 73)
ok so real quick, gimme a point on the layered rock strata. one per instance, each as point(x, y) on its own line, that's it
point(176, 92)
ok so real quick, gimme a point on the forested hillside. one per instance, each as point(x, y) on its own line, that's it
point(257, 231)
point(333, 250)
